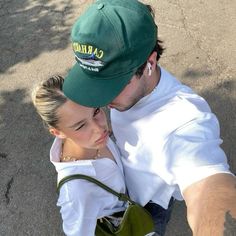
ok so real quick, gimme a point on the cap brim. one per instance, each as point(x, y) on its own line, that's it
point(93, 91)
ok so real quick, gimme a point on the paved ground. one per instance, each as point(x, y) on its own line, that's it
point(200, 46)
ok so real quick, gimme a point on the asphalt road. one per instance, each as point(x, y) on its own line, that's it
point(199, 37)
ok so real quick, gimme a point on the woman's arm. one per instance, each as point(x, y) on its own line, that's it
point(79, 208)
point(75, 221)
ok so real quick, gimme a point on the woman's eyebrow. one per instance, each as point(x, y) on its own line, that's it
point(80, 122)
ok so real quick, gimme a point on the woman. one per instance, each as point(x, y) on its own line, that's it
point(82, 145)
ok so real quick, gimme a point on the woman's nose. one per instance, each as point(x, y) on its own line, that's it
point(97, 126)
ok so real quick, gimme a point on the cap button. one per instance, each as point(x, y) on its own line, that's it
point(100, 6)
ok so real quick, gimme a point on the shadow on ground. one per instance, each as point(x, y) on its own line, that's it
point(28, 180)
point(29, 28)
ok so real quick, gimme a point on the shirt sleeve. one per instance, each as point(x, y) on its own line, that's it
point(79, 210)
point(194, 152)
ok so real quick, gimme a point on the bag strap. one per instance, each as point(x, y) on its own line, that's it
point(121, 196)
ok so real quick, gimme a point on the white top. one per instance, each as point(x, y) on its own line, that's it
point(81, 201)
point(168, 141)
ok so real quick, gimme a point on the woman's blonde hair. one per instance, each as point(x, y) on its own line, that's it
point(47, 97)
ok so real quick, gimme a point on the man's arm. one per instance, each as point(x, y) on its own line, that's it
point(211, 206)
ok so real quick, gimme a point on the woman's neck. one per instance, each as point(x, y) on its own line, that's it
point(72, 152)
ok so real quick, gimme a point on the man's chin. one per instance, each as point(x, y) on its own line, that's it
point(119, 107)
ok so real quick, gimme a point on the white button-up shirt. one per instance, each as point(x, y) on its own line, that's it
point(81, 201)
point(168, 140)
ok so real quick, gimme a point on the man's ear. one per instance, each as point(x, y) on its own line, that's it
point(152, 59)
point(151, 63)
point(57, 133)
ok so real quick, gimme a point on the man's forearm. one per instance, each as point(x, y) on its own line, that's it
point(211, 206)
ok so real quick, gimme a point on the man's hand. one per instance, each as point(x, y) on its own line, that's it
point(211, 206)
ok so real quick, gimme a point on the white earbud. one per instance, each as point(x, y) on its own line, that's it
point(149, 68)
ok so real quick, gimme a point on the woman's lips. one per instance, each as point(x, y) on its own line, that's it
point(103, 137)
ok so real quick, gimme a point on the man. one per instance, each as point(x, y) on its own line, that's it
point(167, 134)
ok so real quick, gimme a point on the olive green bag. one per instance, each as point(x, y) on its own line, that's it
point(134, 221)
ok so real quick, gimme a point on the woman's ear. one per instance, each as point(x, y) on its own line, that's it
point(57, 133)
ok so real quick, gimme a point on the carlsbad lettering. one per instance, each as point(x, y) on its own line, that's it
point(87, 49)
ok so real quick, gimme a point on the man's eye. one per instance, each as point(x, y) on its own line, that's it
point(97, 110)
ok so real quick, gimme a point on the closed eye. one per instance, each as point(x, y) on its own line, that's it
point(81, 126)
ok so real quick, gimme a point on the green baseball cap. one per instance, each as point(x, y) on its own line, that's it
point(111, 40)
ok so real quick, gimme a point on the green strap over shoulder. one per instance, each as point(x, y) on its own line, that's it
point(121, 196)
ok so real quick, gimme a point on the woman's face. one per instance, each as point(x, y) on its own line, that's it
point(85, 126)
